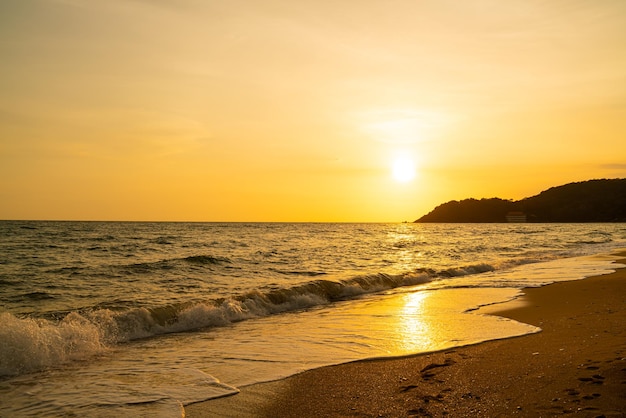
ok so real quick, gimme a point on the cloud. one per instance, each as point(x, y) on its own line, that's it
point(615, 166)
point(402, 126)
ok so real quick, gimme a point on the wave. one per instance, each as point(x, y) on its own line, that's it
point(171, 263)
point(36, 296)
point(464, 271)
point(298, 272)
point(206, 259)
point(30, 344)
point(33, 344)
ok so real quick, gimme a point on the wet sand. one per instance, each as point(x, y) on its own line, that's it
point(576, 365)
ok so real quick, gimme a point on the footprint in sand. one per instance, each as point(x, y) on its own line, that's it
point(427, 372)
point(447, 362)
point(596, 379)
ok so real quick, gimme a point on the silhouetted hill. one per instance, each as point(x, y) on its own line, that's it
point(588, 201)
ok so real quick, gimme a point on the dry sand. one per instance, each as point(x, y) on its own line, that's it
point(576, 365)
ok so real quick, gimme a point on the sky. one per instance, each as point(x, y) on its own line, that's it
point(309, 110)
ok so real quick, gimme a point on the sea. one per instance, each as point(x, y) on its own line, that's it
point(140, 319)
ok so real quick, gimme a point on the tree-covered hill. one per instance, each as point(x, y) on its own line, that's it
point(588, 201)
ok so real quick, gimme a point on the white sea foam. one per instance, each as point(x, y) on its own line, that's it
point(33, 344)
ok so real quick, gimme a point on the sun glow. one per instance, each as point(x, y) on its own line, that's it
point(403, 169)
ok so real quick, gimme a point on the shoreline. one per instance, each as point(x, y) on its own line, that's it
point(576, 364)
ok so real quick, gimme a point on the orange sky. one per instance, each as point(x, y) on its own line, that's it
point(282, 110)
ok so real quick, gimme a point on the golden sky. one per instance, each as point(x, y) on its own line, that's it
point(283, 110)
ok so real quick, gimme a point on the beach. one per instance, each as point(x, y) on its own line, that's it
point(575, 365)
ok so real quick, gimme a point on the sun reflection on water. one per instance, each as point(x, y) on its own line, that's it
point(414, 332)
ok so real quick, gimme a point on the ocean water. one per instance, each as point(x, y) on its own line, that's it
point(141, 319)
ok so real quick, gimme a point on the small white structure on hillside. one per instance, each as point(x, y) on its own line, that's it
point(516, 217)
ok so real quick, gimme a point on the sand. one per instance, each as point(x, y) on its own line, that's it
point(576, 365)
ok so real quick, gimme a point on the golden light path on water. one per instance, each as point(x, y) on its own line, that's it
point(405, 323)
point(413, 330)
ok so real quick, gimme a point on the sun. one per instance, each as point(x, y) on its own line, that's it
point(403, 169)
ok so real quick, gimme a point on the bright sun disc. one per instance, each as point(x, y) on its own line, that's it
point(403, 170)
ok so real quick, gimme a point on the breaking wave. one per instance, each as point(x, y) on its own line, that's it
point(32, 344)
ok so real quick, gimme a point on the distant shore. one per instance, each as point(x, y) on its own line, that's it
point(576, 365)
point(592, 201)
